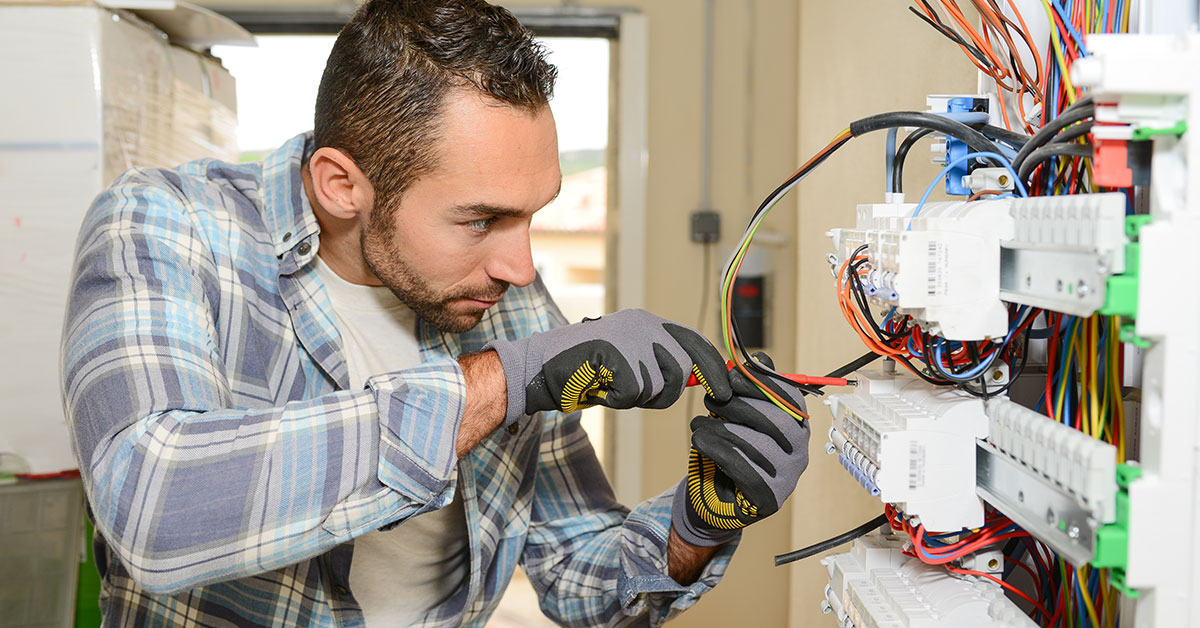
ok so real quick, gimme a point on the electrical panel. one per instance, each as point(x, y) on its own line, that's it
point(1032, 434)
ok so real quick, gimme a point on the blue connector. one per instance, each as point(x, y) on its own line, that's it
point(956, 148)
point(859, 474)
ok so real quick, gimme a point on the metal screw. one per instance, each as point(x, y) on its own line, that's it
point(1021, 496)
point(1058, 285)
point(1028, 281)
point(1073, 532)
point(1083, 289)
point(1050, 516)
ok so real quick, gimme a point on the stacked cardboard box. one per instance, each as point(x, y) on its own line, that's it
point(87, 93)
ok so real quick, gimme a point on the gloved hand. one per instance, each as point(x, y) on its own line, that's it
point(746, 458)
point(627, 359)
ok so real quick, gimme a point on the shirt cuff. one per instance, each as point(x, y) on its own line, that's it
point(643, 585)
point(420, 412)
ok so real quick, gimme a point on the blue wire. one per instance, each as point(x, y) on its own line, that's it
point(1062, 13)
point(982, 366)
point(955, 162)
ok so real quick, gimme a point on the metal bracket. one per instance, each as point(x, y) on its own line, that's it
point(1044, 509)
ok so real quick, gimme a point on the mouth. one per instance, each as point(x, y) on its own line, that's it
point(480, 304)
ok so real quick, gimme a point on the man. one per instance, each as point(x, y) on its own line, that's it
point(329, 389)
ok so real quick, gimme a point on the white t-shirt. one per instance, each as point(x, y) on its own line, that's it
point(398, 575)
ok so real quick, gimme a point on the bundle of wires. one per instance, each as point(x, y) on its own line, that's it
point(1066, 596)
point(733, 346)
point(994, 50)
point(947, 363)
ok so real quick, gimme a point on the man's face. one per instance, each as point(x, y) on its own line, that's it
point(459, 235)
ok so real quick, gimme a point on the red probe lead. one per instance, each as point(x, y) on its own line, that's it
point(804, 380)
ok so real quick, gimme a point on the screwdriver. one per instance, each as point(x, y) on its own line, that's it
point(803, 380)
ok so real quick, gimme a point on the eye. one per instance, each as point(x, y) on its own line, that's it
point(482, 224)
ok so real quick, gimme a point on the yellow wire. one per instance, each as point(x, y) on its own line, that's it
point(727, 286)
point(1094, 346)
point(1087, 600)
point(1058, 53)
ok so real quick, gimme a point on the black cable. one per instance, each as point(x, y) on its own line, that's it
point(949, 32)
point(1012, 138)
point(1073, 133)
point(1082, 109)
point(1051, 150)
point(831, 543)
point(974, 139)
point(857, 364)
point(902, 154)
point(860, 297)
point(735, 337)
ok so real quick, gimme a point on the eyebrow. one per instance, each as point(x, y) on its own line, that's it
point(486, 209)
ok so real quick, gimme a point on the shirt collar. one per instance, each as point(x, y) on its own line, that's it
point(286, 207)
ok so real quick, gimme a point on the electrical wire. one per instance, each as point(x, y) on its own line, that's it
point(1049, 151)
point(901, 155)
point(832, 542)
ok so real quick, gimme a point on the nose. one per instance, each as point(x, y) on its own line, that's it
point(512, 262)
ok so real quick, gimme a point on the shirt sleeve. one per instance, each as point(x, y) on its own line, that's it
point(186, 488)
point(591, 560)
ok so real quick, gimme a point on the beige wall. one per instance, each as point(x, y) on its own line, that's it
point(854, 62)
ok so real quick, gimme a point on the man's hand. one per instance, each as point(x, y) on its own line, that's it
point(745, 461)
point(628, 359)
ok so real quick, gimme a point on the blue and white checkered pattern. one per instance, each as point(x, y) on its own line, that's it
point(228, 468)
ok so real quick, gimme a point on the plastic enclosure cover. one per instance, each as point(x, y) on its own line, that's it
point(101, 92)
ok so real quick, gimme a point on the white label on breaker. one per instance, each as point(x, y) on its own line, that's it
point(936, 269)
point(916, 465)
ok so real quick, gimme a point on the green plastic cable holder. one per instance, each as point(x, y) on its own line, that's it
point(1112, 540)
point(1121, 297)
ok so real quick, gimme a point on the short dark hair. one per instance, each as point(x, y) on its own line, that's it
point(392, 66)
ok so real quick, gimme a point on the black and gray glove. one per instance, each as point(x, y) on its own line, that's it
point(746, 458)
point(627, 359)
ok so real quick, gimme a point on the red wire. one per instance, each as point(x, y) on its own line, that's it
point(1004, 584)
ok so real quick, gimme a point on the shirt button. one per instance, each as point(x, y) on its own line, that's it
point(304, 248)
point(514, 428)
point(340, 590)
point(287, 236)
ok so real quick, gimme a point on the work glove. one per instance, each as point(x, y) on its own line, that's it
point(628, 359)
point(746, 458)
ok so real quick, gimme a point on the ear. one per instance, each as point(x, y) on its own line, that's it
point(339, 185)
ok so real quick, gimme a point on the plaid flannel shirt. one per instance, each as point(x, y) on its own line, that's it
point(228, 467)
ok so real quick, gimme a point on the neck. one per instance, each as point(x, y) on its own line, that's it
point(341, 240)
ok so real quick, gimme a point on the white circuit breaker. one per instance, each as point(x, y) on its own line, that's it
point(913, 445)
point(876, 585)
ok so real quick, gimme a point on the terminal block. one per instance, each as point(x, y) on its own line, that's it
point(913, 445)
point(875, 584)
point(1055, 481)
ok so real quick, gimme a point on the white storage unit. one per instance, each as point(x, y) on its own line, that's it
point(89, 92)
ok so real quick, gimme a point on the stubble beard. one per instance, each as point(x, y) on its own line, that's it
point(384, 256)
